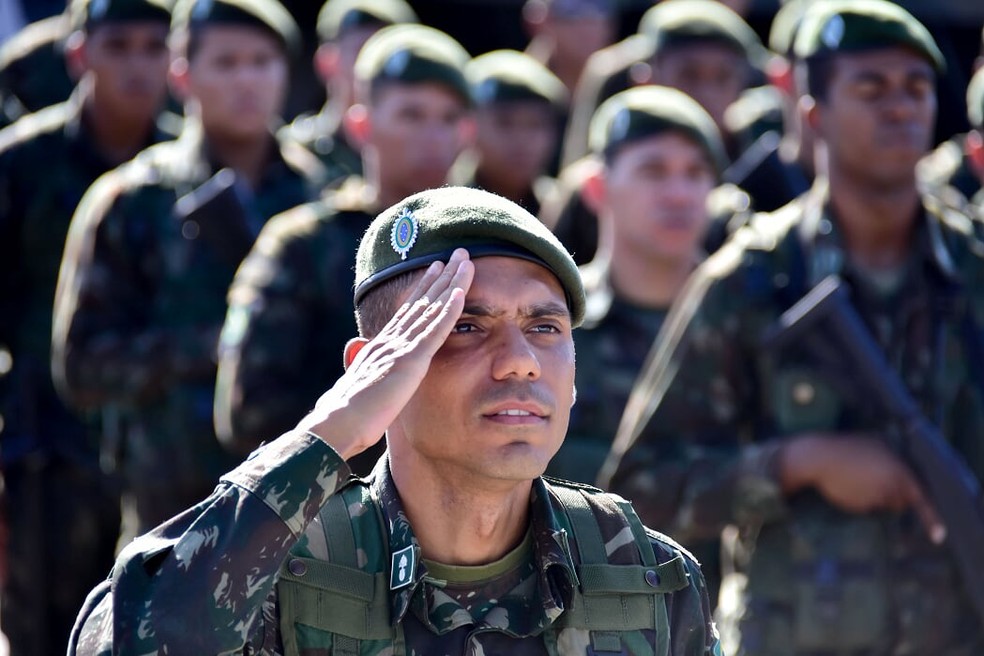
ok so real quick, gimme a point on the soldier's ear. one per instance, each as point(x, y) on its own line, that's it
point(974, 149)
point(352, 348)
point(809, 111)
point(594, 190)
point(178, 76)
point(780, 75)
point(357, 124)
point(75, 56)
point(326, 61)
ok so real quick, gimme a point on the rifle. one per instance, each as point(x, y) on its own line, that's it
point(216, 212)
point(826, 311)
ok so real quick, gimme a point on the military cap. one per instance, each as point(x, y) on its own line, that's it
point(430, 225)
point(837, 26)
point(86, 14)
point(785, 25)
point(509, 75)
point(413, 54)
point(338, 16)
point(646, 111)
point(679, 22)
point(975, 99)
point(268, 15)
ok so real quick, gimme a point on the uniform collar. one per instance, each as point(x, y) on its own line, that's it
point(822, 238)
point(556, 576)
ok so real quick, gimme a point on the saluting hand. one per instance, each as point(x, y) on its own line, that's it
point(384, 375)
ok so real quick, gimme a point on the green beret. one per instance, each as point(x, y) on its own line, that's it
point(975, 99)
point(647, 111)
point(510, 75)
point(268, 15)
point(412, 54)
point(857, 25)
point(85, 14)
point(428, 226)
point(338, 16)
point(680, 22)
point(785, 25)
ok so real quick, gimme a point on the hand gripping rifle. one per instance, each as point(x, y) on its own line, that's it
point(826, 311)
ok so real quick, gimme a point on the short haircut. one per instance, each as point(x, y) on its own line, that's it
point(815, 74)
point(379, 304)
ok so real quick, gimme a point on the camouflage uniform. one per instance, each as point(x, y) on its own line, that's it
point(54, 484)
point(322, 134)
point(232, 575)
point(140, 305)
point(809, 578)
point(32, 68)
point(290, 315)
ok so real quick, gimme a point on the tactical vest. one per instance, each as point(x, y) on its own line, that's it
point(337, 607)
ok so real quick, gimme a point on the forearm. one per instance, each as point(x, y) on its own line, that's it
point(198, 583)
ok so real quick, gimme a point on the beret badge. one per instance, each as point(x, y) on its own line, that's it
point(404, 234)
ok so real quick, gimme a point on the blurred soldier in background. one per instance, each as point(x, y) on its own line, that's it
point(343, 28)
point(836, 546)
point(61, 504)
point(140, 297)
point(517, 102)
point(290, 307)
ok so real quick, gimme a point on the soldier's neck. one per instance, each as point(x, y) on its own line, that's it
point(118, 138)
point(877, 224)
point(457, 521)
point(247, 157)
point(649, 282)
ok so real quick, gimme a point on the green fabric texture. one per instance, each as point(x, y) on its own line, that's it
point(509, 75)
point(975, 99)
point(86, 14)
point(412, 54)
point(647, 111)
point(338, 16)
point(681, 22)
point(267, 15)
point(460, 217)
point(859, 25)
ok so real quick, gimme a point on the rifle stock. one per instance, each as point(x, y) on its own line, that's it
point(952, 486)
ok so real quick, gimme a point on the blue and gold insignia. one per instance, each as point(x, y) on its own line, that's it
point(404, 234)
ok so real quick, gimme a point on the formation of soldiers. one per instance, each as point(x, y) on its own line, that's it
point(176, 276)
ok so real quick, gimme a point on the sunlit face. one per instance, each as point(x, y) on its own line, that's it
point(495, 403)
point(877, 119)
point(127, 62)
point(656, 193)
point(239, 77)
point(713, 74)
point(515, 141)
point(416, 133)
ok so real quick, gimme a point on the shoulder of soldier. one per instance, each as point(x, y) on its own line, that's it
point(620, 56)
point(939, 166)
point(961, 221)
point(303, 161)
point(36, 36)
point(50, 121)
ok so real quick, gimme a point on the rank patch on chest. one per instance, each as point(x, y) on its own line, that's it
point(402, 567)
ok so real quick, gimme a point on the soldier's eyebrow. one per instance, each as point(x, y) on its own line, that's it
point(545, 310)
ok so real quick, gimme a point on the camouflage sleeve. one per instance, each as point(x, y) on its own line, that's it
point(104, 344)
point(689, 610)
point(203, 582)
point(290, 315)
point(686, 452)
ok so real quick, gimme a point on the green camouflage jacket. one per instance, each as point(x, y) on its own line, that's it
point(714, 405)
point(322, 134)
point(140, 304)
point(611, 346)
point(47, 161)
point(244, 572)
point(290, 315)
